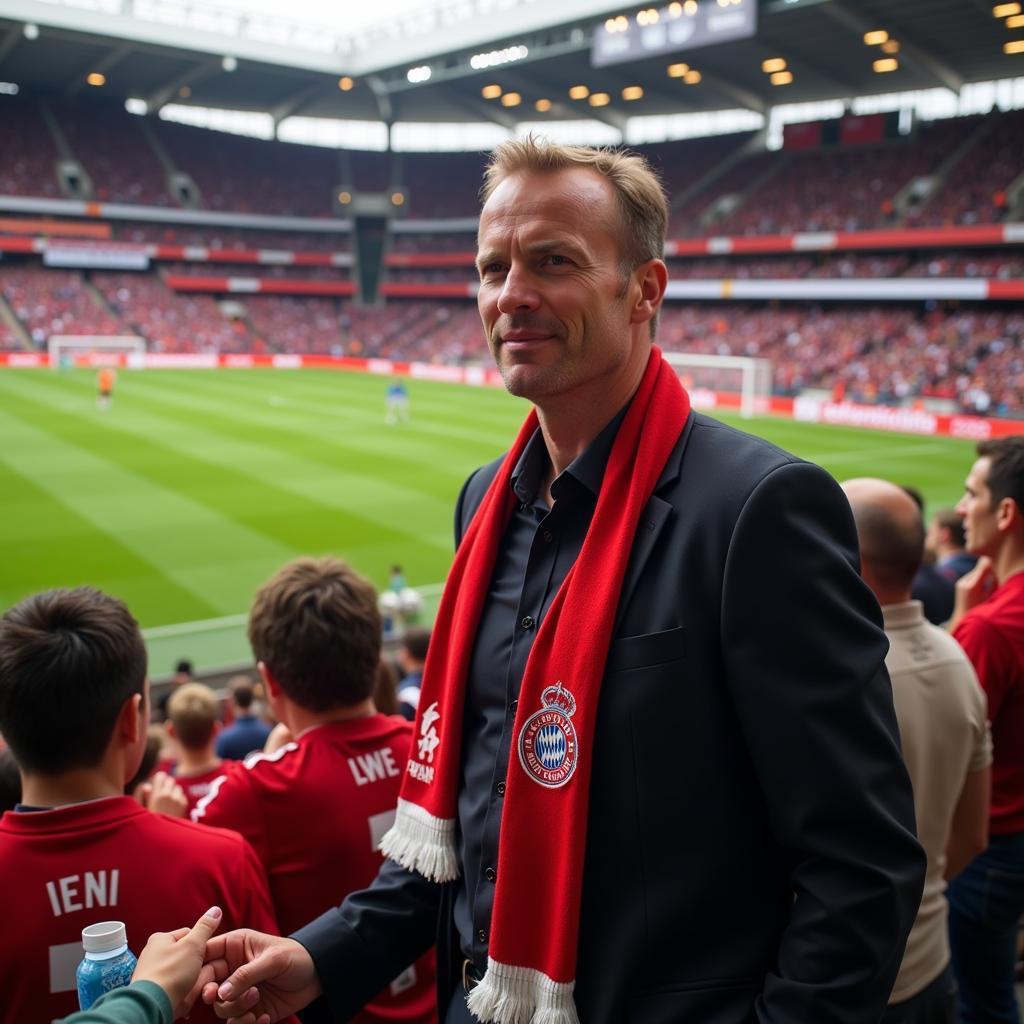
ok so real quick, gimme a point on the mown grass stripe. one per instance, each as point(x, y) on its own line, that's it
point(46, 543)
point(149, 447)
point(182, 540)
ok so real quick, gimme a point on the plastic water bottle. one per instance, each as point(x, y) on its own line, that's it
point(108, 962)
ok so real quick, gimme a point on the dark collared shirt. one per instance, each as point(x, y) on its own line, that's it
point(538, 549)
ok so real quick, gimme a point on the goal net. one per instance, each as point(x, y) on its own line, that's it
point(71, 350)
point(725, 380)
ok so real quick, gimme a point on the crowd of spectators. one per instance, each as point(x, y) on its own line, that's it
point(970, 356)
point(244, 175)
point(847, 189)
point(976, 190)
point(171, 322)
point(840, 188)
point(692, 217)
point(29, 156)
point(49, 302)
point(289, 324)
point(888, 354)
point(110, 145)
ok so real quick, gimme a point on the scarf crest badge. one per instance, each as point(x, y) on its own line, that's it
point(548, 747)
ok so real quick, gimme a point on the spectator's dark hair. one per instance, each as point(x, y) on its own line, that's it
point(69, 659)
point(183, 667)
point(155, 739)
point(316, 626)
point(416, 641)
point(10, 781)
point(914, 494)
point(950, 519)
point(1006, 468)
point(193, 710)
point(385, 688)
point(242, 692)
point(893, 545)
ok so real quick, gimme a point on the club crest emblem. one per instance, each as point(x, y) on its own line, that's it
point(548, 750)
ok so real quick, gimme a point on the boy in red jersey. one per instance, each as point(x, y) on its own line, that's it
point(192, 721)
point(316, 809)
point(74, 705)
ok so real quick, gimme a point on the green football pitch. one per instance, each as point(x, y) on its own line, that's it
point(197, 485)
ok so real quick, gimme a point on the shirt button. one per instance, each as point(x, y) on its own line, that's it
point(501, 789)
point(490, 874)
point(548, 536)
point(481, 935)
point(527, 622)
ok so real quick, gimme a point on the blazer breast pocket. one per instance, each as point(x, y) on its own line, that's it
point(646, 650)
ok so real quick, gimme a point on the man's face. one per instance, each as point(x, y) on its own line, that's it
point(982, 536)
point(553, 297)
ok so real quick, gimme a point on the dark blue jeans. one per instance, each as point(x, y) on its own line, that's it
point(934, 1004)
point(986, 901)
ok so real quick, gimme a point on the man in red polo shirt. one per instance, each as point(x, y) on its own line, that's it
point(987, 899)
point(315, 809)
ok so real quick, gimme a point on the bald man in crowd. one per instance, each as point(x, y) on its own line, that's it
point(942, 716)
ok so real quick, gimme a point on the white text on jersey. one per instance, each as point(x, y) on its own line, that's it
point(372, 767)
point(97, 889)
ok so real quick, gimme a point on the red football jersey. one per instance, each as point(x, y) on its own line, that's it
point(106, 860)
point(197, 786)
point(315, 811)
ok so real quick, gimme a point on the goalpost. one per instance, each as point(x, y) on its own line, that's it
point(95, 350)
point(744, 375)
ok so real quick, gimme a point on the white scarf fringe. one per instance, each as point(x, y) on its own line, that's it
point(420, 842)
point(521, 995)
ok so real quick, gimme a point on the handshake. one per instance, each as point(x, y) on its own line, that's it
point(245, 975)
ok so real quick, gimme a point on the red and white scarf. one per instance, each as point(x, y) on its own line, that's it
point(531, 970)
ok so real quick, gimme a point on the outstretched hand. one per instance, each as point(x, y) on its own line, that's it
point(262, 978)
point(174, 961)
point(163, 795)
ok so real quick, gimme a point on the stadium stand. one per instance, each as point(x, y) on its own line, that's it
point(57, 302)
point(974, 357)
point(249, 176)
point(976, 190)
point(27, 167)
point(970, 356)
point(110, 145)
point(232, 238)
point(170, 322)
point(287, 324)
point(843, 189)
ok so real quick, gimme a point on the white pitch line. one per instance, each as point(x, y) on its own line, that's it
point(875, 454)
point(229, 621)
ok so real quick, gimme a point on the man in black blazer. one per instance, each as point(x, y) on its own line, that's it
point(750, 851)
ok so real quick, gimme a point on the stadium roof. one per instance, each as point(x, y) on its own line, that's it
point(154, 51)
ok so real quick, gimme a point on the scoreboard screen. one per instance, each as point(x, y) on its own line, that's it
point(675, 28)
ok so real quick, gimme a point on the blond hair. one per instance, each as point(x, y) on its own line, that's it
point(638, 191)
point(193, 710)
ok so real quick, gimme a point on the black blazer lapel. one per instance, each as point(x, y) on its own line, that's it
point(656, 514)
